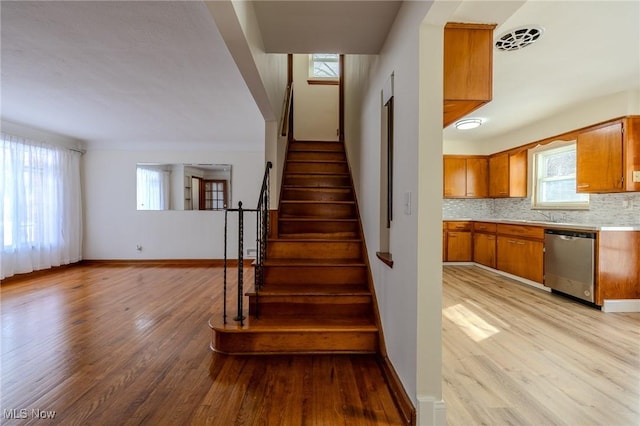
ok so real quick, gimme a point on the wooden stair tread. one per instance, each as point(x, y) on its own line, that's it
point(317, 161)
point(341, 189)
point(314, 174)
point(319, 219)
point(314, 290)
point(318, 188)
point(312, 262)
point(317, 201)
point(279, 325)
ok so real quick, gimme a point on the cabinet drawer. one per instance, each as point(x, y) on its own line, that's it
point(484, 227)
point(521, 231)
point(459, 226)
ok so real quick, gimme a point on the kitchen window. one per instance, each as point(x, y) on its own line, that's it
point(554, 178)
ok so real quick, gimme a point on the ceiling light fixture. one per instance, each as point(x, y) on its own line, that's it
point(468, 123)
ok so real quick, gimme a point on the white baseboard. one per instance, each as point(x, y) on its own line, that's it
point(621, 305)
point(431, 412)
point(515, 277)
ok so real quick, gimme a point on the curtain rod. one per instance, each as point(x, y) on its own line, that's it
point(81, 151)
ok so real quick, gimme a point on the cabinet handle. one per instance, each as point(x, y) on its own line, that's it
point(511, 241)
point(520, 243)
point(583, 185)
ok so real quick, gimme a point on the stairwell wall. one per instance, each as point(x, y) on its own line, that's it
point(402, 293)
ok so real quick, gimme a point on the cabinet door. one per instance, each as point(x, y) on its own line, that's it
point(484, 249)
point(477, 177)
point(599, 166)
point(518, 174)
point(455, 177)
point(519, 257)
point(458, 246)
point(499, 176)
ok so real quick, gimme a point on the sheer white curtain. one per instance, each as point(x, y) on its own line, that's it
point(40, 201)
point(152, 188)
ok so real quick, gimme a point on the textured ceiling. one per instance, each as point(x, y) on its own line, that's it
point(118, 73)
point(114, 73)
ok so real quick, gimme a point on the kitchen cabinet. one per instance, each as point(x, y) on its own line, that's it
point(607, 157)
point(520, 251)
point(508, 175)
point(484, 244)
point(617, 266)
point(457, 241)
point(465, 176)
point(468, 69)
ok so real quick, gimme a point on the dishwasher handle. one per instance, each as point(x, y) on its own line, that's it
point(569, 235)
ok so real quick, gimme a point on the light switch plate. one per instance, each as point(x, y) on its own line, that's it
point(636, 176)
point(407, 203)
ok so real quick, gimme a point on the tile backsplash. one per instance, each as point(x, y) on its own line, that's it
point(605, 209)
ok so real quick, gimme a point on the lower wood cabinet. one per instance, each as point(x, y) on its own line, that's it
point(484, 249)
point(524, 258)
point(457, 241)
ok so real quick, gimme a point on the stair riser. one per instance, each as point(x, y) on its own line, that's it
point(317, 195)
point(324, 229)
point(314, 250)
point(316, 146)
point(324, 210)
point(270, 308)
point(316, 156)
point(337, 275)
point(295, 342)
point(309, 167)
point(316, 180)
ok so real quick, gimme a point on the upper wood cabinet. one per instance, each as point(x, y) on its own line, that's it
point(465, 177)
point(468, 69)
point(607, 156)
point(508, 175)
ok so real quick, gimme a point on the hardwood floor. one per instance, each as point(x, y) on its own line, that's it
point(516, 355)
point(129, 345)
point(107, 345)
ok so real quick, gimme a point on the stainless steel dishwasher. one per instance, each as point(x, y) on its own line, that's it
point(569, 262)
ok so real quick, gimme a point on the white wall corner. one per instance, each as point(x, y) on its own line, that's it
point(622, 305)
point(431, 412)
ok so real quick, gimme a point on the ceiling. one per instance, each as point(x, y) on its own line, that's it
point(123, 73)
point(589, 49)
point(117, 73)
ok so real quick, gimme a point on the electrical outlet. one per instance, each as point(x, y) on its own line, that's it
point(251, 252)
point(636, 176)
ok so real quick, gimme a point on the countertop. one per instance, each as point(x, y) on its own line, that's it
point(555, 225)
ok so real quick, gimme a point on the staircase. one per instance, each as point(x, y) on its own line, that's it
point(316, 296)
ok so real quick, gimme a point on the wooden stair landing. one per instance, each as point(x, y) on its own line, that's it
point(316, 296)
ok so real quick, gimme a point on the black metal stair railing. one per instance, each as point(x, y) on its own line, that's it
point(262, 233)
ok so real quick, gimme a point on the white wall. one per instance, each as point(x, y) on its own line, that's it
point(315, 106)
point(113, 226)
point(409, 294)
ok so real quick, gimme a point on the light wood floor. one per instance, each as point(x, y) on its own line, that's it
point(515, 355)
point(124, 345)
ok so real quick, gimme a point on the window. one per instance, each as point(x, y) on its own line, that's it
point(40, 204)
point(152, 189)
point(554, 178)
point(324, 66)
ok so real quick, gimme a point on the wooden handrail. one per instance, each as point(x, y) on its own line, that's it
point(286, 110)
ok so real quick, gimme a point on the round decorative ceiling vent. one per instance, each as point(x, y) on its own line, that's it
point(519, 38)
